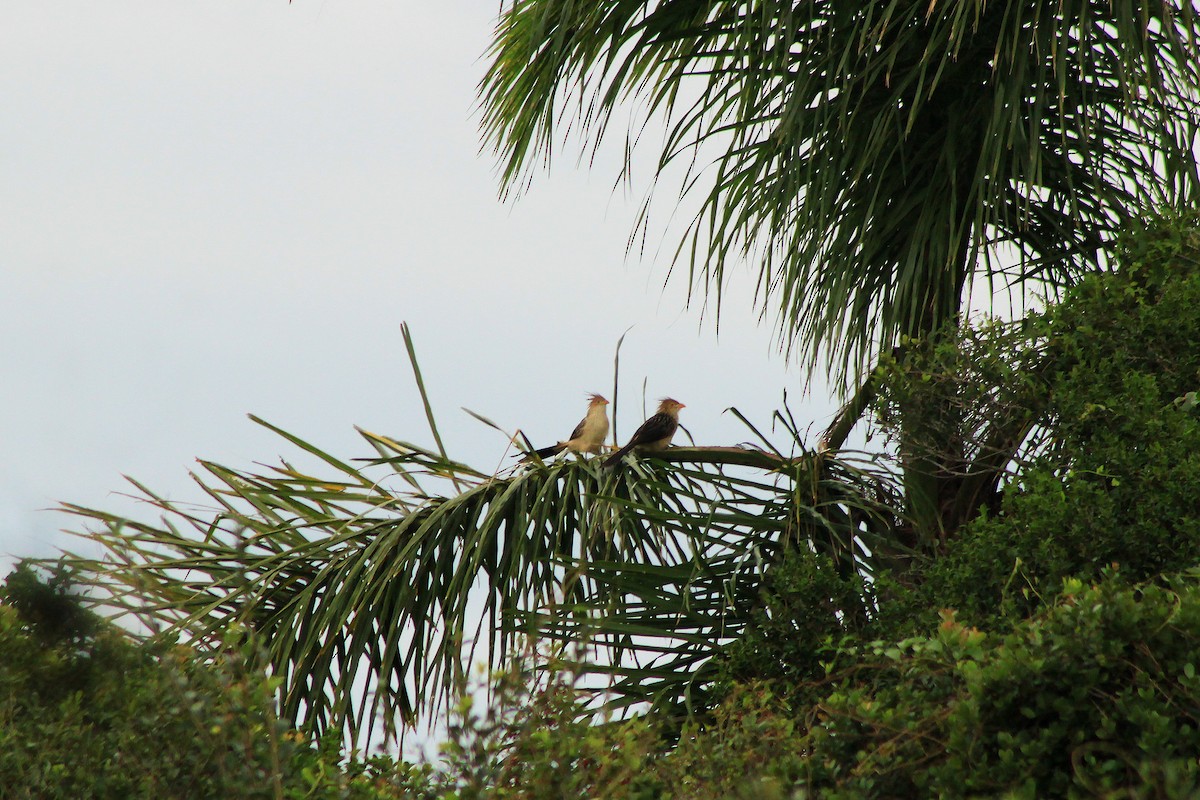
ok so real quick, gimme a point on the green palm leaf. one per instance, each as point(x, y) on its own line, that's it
point(373, 594)
point(871, 158)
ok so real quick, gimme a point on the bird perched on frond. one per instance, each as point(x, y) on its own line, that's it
point(588, 436)
point(655, 433)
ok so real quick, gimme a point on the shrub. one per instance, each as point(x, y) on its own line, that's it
point(1096, 696)
point(805, 609)
point(1107, 383)
point(86, 712)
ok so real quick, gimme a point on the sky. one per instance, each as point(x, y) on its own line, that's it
point(221, 208)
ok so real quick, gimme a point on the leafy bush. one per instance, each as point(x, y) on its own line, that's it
point(551, 750)
point(85, 712)
point(544, 744)
point(805, 609)
point(1117, 484)
point(1097, 696)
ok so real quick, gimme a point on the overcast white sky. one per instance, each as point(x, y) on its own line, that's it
point(221, 207)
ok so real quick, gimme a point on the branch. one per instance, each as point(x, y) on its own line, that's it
point(849, 415)
point(740, 456)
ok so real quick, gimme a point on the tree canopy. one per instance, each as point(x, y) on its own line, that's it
point(870, 159)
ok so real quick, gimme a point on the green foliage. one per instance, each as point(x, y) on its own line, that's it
point(45, 602)
point(805, 609)
point(1114, 479)
point(1095, 696)
point(372, 576)
point(530, 745)
point(1098, 695)
point(751, 749)
point(85, 712)
point(868, 157)
point(963, 403)
point(554, 751)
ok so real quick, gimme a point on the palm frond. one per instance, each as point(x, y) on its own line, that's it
point(656, 639)
point(374, 594)
point(871, 157)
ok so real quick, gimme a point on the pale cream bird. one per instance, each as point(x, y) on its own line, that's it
point(588, 436)
point(655, 433)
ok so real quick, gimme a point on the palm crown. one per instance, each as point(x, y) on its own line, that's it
point(872, 157)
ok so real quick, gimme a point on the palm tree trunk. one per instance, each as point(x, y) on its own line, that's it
point(931, 448)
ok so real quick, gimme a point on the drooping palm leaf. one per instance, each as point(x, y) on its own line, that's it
point(372, 593)
point(872, 156)
point(656, 639)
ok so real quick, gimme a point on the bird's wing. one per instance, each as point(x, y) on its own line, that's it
point(659, 426)
point(575, 434)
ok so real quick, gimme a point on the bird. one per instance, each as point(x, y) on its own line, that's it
point(655, 433)
point(588, 435)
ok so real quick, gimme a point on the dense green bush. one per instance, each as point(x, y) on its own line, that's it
point(1103, 389)
point(85, 712)
point(550, 750)
point(1117, 484)
point(1097, 695)
point(805, 609)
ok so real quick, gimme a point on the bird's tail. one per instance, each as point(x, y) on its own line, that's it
point(616, 457)
point(544, 452)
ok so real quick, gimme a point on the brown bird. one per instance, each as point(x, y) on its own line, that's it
point(655, 433)
point(588, 435)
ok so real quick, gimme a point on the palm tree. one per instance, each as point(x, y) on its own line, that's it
point(872, 159)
